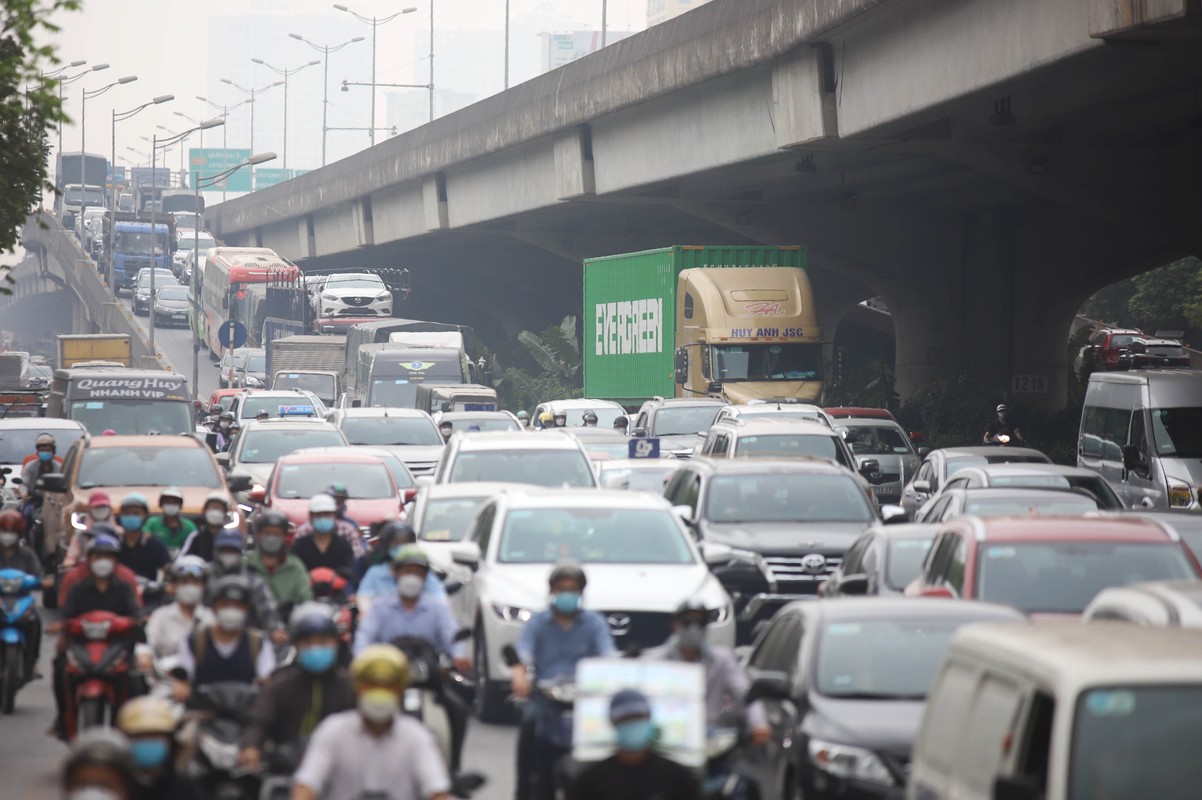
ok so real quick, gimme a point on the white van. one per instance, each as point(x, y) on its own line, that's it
point(1142, 432)
point(1060, 710)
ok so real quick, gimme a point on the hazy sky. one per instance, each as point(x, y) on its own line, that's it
point(166, 43)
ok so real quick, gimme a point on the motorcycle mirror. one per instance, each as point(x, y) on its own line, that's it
point(452, 586)
point(463, 634)
point(465, 784)
point(510, 655)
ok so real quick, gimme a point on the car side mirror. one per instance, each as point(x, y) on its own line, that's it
point(53, 482)
point(892, 515)
point(1133, 458)
point(241, 482)
point(681, 366)
point(1017, 787)
point(922, 487)
point(853, 584)
point(409, 495)
point(923, 452)
point(716, 553)
point(466, 554)
point(223, 459)
point(684, 514)
point(255, 495)
point(769, 686)
point(638, 433)
point(870, 467)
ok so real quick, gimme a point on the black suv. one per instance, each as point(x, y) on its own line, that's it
point(787, 524)
point(678, 422)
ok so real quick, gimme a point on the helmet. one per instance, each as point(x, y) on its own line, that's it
point(189, 567)
point(691, 605)
point(44, 440)
point(546, 417)
point(381, 665)
point(263, 414)
point(232, 587)
point(270, 518)
point(100, 528)
point(407, 556)
point(228, 540)
point(337, 490)
point(227, 416)
point(148, 714)
point(568, 570)
point(99, 499)
point(559, 414)
point(394, 529)
point(135, 499)
point(621, 421)
point(171, 492)
point(12, 521)
point(522, 414)
point(312, 619)
point(103, 747)
point(218, 496)
point(326, 582)
point(322, 504)
point(1002, 407)
point(590, 416)
point(104, 543)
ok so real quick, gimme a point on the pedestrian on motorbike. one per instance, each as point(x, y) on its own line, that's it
point(98, 767)
point(284, 573)
point(80, 570)
point(445, 429)
point(552, 642)
point(216, 516)
point(226, 651)
point(340, 494)
point(1003, 425)
point(225, 431)
point(140, 551)
point(324, 541)
point(590, 419)
point(150, 725)
point(15, 554)
point(523, 418)
point(169, 624)
point(546, 420)
point(561, 419)
point(100, 510)
point(621, 423)
point(228, 561)
point(379, 581)
point(44, 461)
point(373, 751)
point(635, 771)
point(170, 526)
point(300, 695)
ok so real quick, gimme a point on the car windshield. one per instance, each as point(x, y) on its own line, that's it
point(74, 197)
point(448, 520)
point(252, 405)
point(593, 536)
point(605, 416)
point(189, 243)
point(527, 465)
point(174, 293)
point(1093, 484)
point(17, 443)
point(606, 449)
point(148, 466)
point(238, 357)
point(342, 284)
point(138, 243)
point(683, 421)
point(1134, 743)
point(391, 431)
point(162, 280)
point(788, 445)
point(1122, 339)
point(787, 498)
point(639, 480)
point(1045, 503)
point(490, 423)
point(767, 362)
point(905, 561)
point(1178, 432)
point(881, 660)
point(134, 417)
point(362, 481)
point(255, 363)
point(1172, 350)
point(320, 385)
point(265, 446)
point(877, 440)
point(1062, 577)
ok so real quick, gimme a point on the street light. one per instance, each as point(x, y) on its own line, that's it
point(83, 127)
point(206, 181)
point(225, 113)
point(325, 82)
point(287, 73)
point(121, 116)
point(251, 93)
point(66, 81)
point(376, 22)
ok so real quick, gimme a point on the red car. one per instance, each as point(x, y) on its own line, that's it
point(1109, 343)
point(222, 399)
point(1049, 565)
point(374, 496)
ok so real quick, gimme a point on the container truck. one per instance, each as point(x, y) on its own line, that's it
point(108, 347)
point(737, 323)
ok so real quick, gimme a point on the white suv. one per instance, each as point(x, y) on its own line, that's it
point(354, 294)
point(547, 458)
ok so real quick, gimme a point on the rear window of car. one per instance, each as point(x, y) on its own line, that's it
point(1166, 350)
point(1121, 339)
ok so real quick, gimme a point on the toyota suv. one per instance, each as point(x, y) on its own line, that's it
point(678, 422)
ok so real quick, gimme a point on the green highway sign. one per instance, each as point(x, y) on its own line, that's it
point(205, 162)
point(270, 176)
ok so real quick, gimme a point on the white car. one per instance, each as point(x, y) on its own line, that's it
point(548, 458)
point(354, 294)
point(442, 515)
point(640, 562)
point(606, 410)
point(764, 409)
point(408, 433)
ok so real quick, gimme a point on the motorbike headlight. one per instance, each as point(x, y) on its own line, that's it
point(79, 521)
point(235, 519)
point(1180, 494)
point(513, 614)
point(855, 763)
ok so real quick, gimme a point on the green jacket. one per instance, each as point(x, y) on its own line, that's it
point(289, 581)
point(171, 539)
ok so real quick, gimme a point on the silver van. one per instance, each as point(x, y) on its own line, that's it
point(1142, 432)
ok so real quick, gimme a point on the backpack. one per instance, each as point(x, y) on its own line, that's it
point(200, 645)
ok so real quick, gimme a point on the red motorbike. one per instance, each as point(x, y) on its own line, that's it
point(99, 660)
point(330, 588)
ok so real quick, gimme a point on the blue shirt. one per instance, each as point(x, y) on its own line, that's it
point(430, 620)
point(378, 581)
point(553, 650)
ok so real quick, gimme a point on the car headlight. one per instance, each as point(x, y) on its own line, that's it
point(253, 382)
point(1180, 494)
point(514, 614)
point(855, 763)
point(330, 297)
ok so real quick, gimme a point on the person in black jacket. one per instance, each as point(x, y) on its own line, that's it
point(150, 725)
point(216, 515)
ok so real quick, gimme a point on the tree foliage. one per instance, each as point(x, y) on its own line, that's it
point(556, 350)
point(1168, 298)
point(29, 108)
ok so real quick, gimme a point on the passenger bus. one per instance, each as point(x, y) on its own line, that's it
point(233, 286)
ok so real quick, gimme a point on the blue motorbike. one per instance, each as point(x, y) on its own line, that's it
point(18, 613)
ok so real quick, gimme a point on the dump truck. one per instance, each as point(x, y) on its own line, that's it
point(737, 323)
point(109, 347)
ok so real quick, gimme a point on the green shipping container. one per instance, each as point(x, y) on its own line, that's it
point(630, 314)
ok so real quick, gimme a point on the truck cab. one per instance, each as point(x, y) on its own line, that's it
point(135, 247)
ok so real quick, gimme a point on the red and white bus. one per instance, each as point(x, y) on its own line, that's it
point(233, 286)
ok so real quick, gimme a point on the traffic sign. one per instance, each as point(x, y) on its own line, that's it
point(238, 331)
point(205, 162)
point(270, 176)
point(644, 448)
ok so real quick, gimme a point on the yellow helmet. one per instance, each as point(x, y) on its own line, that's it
point(381, 665)
point(546, 416)
point(143, 715)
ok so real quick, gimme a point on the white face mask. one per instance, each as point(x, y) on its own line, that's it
point(188, 594)
point(229, 560)
point(230, 619)
point(378, 705)
point(215, 517)
point(410, 586)
point(103, 567)
point(91, 793)
point(101, 513)
point(172, 509)
point(8, 539)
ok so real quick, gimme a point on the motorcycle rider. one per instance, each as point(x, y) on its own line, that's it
point(373, 751)
point(340, 494)
point(216, 514)
point(225, 431)
point(1002, 425)
point(621, 423)
point(140, 551)
point(590, 419)
point(635, 771)
point(100, 509)
point(149, 723)
point(552, 642)
point(170, 526)
point(43, 462)
point(80, 570)
point(561, 419)
point(228, 561)
point(523, 418)
point(226, 651)
point(283, 572)
point(300, 695)
point(379, 581)
point(15, 554)
point(546, 420)
point(445, 429)
point(169, 624)
point(324, 541)
point(98, 767)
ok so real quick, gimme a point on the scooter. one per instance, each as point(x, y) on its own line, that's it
point(722, 779)
point(548, 739)
point(224, 712)
point(18, 613)
point(424, 697)
point(99, 662)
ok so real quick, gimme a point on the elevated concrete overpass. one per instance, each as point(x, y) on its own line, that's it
point(981, 166)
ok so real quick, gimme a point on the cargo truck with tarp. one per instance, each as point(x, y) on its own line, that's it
point(738, 323)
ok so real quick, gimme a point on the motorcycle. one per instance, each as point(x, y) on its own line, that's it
point(99, 665)
point(722, 779)
point(19, 615)
point(547, 760)
point(424, 697)
point(999, 439)
point(224, 712)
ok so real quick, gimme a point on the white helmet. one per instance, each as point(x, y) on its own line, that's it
point(322, 504)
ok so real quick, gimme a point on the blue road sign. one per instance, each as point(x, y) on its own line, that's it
point(234, 328)
point(644, 448)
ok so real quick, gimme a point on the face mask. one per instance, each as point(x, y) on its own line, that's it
point(318, 658)
point(410, 586)
point(172, 509)
point(91, 793)
point(188, 594)
point(271, 544)
point(8, 539)
point(378, 705)
point(225, 426)
point(566, 602)
point(103, 567)
point(149, 753)
point(323, 524)
point(393, 551)
point(635, 736)
point(101, 513)
point(230, 619)
point(131, 522)
point(229, 560)
point(215, 517)
point(43, 456)
point(691, 637)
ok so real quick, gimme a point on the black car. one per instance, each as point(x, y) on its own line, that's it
point(1151, 353)
point(845, 682)
point(171, 306)
point(678, 422)
point(787, 524)
point(882, 561)
point(141, 291)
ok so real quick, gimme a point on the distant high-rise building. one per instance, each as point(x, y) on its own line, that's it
point(663, 10)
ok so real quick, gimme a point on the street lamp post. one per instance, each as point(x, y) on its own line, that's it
point(604, 21)
point(201, 182)
point(67, 81)
point(376, 22)
point(121, 117)
point(225, 113)
point(325, 82)
point(83, 133)
point(286, 73)
point(506, 44)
